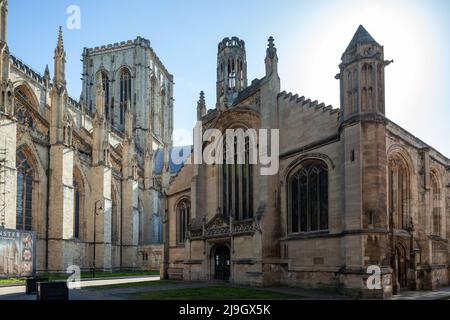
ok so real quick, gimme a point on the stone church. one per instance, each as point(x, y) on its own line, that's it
point(88, 173)
point(353, 189)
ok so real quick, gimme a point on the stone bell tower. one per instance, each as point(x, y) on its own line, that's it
point(363, 130)
point(231, 70)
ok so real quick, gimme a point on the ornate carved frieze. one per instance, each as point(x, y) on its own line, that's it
point(219, 226)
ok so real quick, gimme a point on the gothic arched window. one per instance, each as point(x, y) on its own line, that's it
point(436, 205)
point(105, 84)
point(398, 180)
point(308, 197)
point(125, 93)
point(183, 217)
point(231, 74)
point(237, 183)
point(24, 204)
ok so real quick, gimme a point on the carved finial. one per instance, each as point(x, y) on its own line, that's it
point(46, 75)
point(271, 40)
point(201, 106)
point(47, 71)
point(271, 50)
point(60, 46)
point(271, 58)
point(60, 60)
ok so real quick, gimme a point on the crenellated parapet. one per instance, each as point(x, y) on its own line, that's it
point(123, 45)
point(295, 101)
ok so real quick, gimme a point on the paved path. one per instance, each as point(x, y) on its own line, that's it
point(18, 292)
point(438, 294)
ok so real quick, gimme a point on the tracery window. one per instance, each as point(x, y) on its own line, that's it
point(308, 197)
point(24, 204)
point(436, 206)
point(237, 184)
point(398, 180)
point(183, 217)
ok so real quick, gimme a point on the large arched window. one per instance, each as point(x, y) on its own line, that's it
point(308, 197)
point(436, 205)
point(398, 180)
point(237, 182)
point(125, 93)
point(76, 208)
point(24, 193)
point(183, 217)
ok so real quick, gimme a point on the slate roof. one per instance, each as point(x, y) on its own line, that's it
point(361, 36)
point(182, 152)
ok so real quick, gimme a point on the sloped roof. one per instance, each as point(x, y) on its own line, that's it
point(180, 154)
point(361, 36)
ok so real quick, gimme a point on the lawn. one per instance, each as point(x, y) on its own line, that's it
point(214, 293)
point(136, 284)
point(12, 281)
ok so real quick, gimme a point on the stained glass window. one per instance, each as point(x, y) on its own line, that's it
point(24, 193)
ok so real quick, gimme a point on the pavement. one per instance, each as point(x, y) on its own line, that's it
point(17, 292)
point(438, 294)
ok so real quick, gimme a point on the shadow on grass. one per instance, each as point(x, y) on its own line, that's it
point(215, 293)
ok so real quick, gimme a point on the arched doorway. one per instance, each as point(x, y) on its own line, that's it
point(222, 263)
point(401, 267)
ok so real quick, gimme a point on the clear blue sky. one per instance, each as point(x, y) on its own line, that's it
point(310, 37)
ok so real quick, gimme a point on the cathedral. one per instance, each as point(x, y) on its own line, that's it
point(87, 176)
point(353, 190)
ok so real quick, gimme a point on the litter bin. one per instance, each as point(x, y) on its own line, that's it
point(56, 290)
point(31, 284)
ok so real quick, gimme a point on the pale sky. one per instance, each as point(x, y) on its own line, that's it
point(310, 37)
